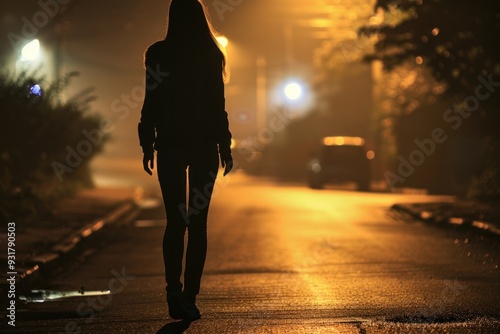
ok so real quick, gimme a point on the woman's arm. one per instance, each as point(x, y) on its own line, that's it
point(149, 113)
point(223, 134)
point(152, 99)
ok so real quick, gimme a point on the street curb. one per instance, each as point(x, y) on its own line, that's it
point(428, 216)
point(36, 266)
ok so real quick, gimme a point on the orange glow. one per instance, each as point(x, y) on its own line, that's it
point(316, 23)
point(340, 140)
point(329, 141)
point(358, 141)
point(223, 41)
point(456, 221)
point(376, 20)
point(98, 225)
point(419, 60)
point(370, 155)
point(87, 232)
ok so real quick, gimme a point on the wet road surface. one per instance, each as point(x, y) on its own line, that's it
point(288, 259)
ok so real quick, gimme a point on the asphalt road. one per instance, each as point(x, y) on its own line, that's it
point(288, 259)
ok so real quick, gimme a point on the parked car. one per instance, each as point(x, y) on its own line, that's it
point(340, 159)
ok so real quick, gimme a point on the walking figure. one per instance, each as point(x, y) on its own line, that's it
point(184, 120)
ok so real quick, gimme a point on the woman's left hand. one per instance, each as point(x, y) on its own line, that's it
point(227, 162)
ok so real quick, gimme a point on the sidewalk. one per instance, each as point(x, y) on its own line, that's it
point(464, 213)
point(39, 248)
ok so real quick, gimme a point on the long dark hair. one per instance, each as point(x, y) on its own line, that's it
point(189, 29)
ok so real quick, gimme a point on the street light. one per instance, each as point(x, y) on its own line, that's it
point(223, 41)
point(30, 57)
point(293, 91)
point(295, 96)
point(31, 51)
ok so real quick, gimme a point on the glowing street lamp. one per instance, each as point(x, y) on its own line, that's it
point(30, 56)
point(223, 41)
point(295, 96)
point(31, 51)
point(293, 91)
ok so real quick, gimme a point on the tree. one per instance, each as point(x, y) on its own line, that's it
point(457, 42)
point(456, 39)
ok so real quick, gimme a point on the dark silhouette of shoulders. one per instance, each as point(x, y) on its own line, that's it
point(188, 106)
point(155, 53)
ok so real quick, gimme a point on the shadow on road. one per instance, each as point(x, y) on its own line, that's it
point(178, 327)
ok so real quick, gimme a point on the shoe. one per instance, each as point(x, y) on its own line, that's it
point(194, 312)
point(180, 309)
point(193, 315)
point(176, 308)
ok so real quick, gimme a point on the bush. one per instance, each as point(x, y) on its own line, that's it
point(36, 131)
point(486, 186)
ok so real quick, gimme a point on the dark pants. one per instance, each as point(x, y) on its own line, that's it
point(201, 166)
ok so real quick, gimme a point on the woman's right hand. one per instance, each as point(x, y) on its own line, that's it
point(148, 161)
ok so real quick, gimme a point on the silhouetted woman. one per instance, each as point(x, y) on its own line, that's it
point(184, 120)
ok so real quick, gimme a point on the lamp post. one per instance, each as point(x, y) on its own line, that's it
point(261, 96)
